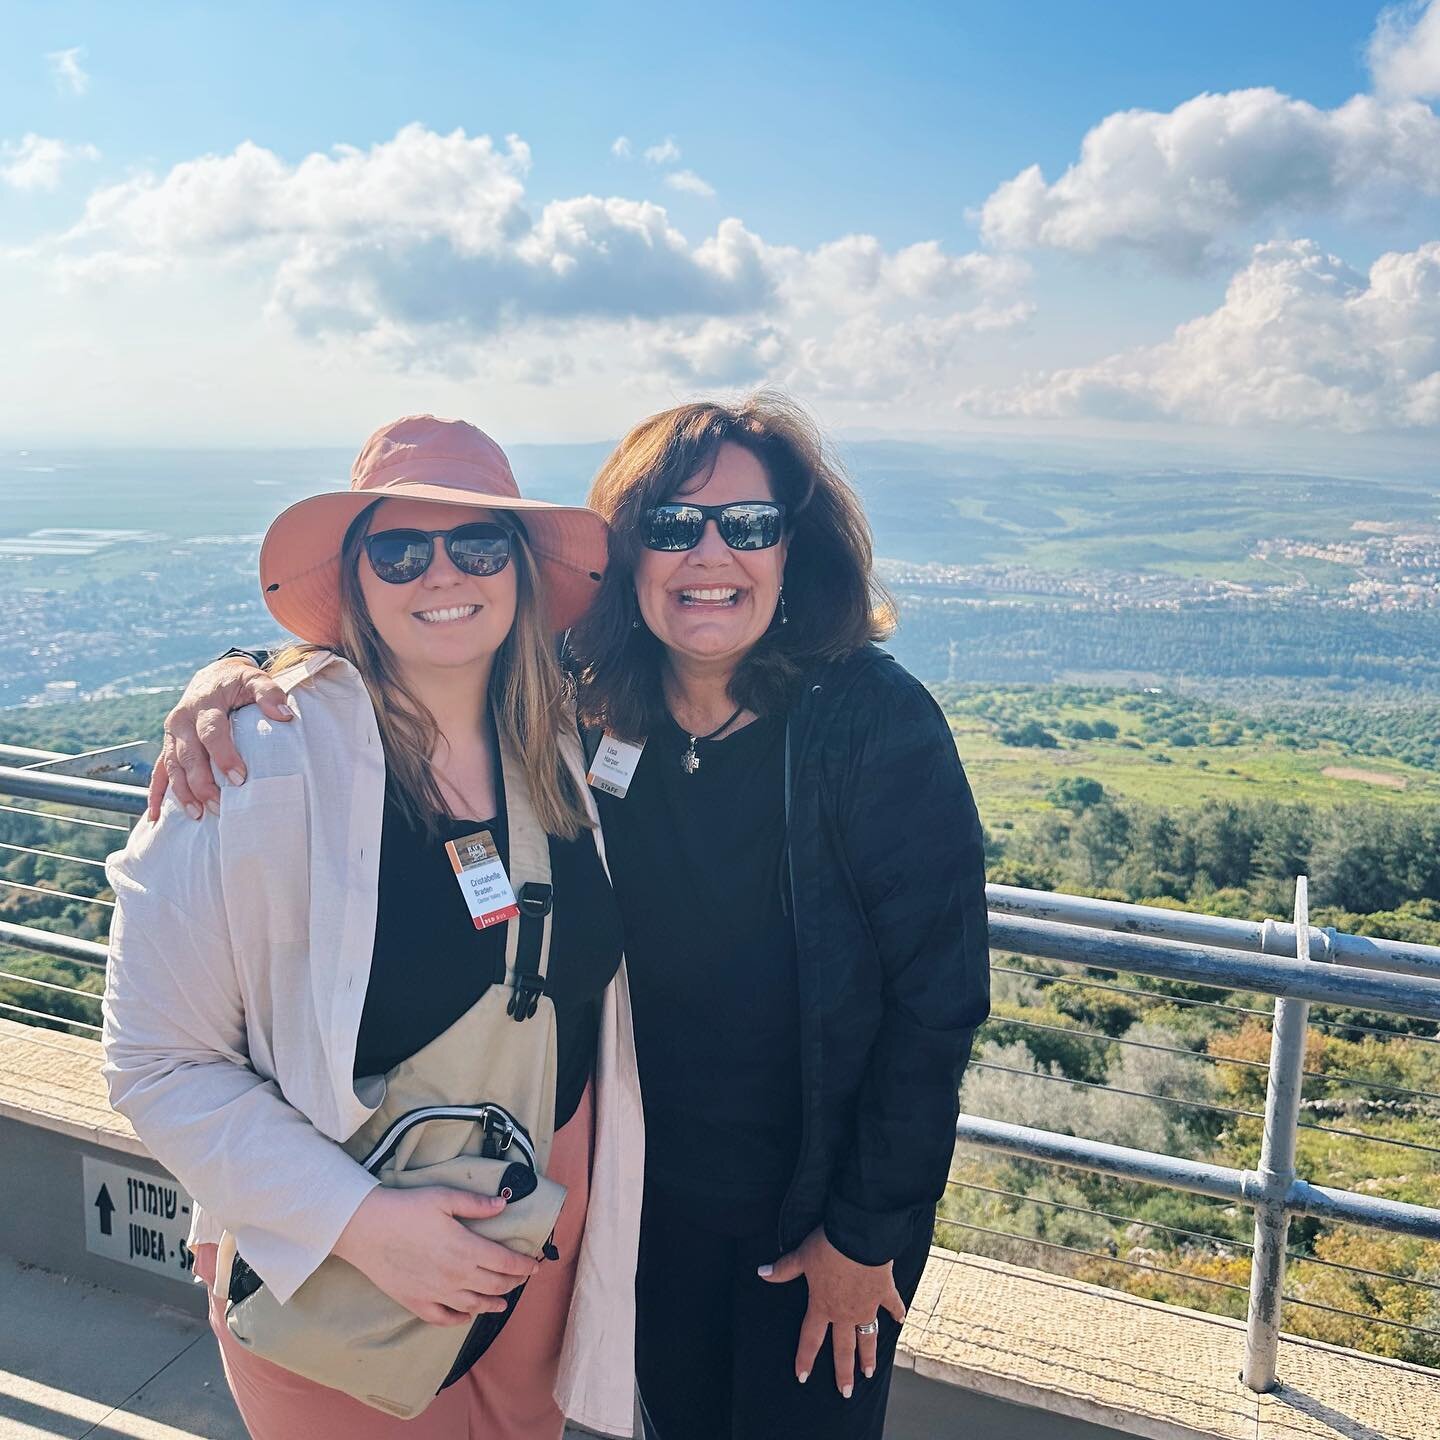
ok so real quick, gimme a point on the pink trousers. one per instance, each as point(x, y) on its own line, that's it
point(508, 1395)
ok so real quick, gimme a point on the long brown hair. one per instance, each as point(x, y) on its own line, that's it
point(529, 693)
point(833, 602)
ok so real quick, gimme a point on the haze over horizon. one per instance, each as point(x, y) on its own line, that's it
point(1130, 232)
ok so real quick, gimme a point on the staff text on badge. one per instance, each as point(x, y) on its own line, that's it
point(482, 879)
point(613, 767)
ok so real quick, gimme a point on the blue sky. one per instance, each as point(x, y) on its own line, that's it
point(846, 205)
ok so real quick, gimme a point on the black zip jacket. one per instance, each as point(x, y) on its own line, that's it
point(885, 872)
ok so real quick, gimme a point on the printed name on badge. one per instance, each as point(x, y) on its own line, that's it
point(482, 879)
point(613, 767)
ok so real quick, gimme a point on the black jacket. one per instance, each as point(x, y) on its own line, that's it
point(886, 878)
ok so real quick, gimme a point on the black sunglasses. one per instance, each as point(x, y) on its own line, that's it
point(743, 525)
point(399, 556)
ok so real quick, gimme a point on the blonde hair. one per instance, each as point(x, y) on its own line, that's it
point(530, 695)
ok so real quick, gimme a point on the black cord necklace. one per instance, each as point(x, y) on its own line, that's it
point(690, 761)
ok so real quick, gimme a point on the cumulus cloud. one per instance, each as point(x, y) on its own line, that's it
point(621, 148)
point(426, 251)
point(421, 230)
point(689, 182)
point(1300, 339)
point(1405, 51)
point(875, 324)
point(36, 162)
point(1180, 185)
point(67, 72)
point(667, 152)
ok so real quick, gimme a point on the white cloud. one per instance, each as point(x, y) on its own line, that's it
point(689, 182)
point(621, 148)
point(67, 72)
point(872, 325)
point(36, 162)
point(667, 152)
point(1405, 51)
point(1300, 340)
point(716, 352)
point(1181, 185)
point(425, 252)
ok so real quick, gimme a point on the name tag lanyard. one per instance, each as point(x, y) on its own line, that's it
point(482, 879)
point(613, 767)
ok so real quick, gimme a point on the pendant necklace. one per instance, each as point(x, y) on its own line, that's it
point(690, 761)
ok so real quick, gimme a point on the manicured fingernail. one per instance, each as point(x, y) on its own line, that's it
point(212, 807)
point(848, 1391)
point(765, 1272)
point(803, 1376)
point(194, 811)
point(870, 1373)
point(285, 712)
point(235, 777)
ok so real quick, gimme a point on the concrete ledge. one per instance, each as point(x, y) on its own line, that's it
point(53, 1081)
point(1021, 1352)
point(1137, 1367)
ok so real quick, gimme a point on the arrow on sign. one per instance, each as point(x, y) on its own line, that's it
point(106, 1206)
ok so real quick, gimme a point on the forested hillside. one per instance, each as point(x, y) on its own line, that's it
point(1158, 797)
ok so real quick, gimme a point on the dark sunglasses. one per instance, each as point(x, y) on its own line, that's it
point(744, 525)
point(399, 556)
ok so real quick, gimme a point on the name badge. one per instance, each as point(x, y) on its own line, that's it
point(482, 879)
point(613, 767)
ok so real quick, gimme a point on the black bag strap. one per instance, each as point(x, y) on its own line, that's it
point(527, 939)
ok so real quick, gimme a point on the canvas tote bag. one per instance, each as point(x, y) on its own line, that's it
point(475, 1110)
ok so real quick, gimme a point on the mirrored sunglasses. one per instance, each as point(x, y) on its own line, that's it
point(399, 556)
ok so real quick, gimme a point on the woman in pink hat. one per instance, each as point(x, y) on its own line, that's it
point(272, 968)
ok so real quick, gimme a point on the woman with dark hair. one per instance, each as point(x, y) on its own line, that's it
point(799, 868)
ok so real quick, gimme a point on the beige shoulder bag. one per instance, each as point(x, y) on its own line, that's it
point(474, 1109)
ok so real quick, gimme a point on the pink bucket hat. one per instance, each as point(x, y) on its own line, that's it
point(423, 458)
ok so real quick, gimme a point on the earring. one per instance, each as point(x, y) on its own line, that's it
point(784, 618)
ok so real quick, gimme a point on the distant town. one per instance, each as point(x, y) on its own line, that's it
point(1390, 572)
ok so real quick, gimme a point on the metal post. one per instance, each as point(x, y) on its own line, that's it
point(1277, 1170)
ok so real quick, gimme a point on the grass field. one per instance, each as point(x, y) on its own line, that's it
point(1012, 781)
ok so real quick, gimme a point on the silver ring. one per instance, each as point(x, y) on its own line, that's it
point(871, 1329)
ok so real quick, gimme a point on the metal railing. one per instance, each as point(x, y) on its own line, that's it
point(1373, 975)
point(1295, 963)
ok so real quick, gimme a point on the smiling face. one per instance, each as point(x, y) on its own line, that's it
point(711, 604)
point(445, 618)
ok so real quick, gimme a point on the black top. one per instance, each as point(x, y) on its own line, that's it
point(695, 859)
point(431, 965)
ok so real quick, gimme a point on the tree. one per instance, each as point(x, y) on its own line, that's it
point(1032, 734)
point(1076, 792)
point(1102, 834)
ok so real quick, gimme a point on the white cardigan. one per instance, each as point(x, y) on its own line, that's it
point(239, 960)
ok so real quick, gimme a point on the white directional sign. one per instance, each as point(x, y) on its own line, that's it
point(132, 1217)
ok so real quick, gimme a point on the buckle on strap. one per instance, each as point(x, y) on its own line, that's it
point(525, 998)
point(535, 901)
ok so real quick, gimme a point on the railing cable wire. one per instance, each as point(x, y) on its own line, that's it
point(43, 1015)
point(52, 854)
point(1299, 1256)
point(62, 894)
point(64, 819)
point(1094, 1255)
point(1203, 1105)
point(49, 985)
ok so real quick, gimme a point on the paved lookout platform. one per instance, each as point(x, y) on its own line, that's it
point(98, 1347)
